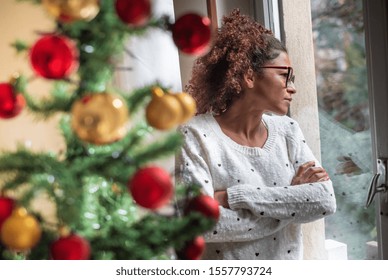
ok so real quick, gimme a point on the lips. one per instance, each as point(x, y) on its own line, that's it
point(288, 99)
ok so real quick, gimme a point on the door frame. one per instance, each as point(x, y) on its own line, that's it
point(376, 43)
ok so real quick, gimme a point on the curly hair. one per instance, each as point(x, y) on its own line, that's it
point(241, 44)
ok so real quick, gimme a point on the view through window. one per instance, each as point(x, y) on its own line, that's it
point(339, 47)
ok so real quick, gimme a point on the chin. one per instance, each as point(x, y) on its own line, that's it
point(279, 112)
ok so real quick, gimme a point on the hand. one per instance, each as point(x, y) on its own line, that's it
point(222, 198)
point(347, 166)
point(308, 173)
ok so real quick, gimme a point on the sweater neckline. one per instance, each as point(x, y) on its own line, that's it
point(269, 143)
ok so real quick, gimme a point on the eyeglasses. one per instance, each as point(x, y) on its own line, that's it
point(290, 73)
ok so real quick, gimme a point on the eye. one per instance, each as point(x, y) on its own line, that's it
point(285, 75)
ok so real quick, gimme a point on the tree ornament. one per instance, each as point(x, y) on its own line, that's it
point(164, 111)
point(204, 204)
point(134, 12)
point(100, 118)
point(54, 57)
point(21, 231)
point(151, 187)
point(192, 33)
point(192, 250)
point(11, 103)
point(69, 10)
point(6, 206)
point(188, 104)
point(70, 247)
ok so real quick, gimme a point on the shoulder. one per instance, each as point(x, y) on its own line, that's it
point(198, 124)
point(284, 125)
point(198, 134)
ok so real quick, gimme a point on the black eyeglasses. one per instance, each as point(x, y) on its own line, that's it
point(290, 73)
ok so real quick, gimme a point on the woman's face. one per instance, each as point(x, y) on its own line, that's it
point(269, 88)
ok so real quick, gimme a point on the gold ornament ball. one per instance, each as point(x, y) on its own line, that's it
point(189, 106)
point(100, 118)
point(72, 10)
point(164, 111)
point(21, 231)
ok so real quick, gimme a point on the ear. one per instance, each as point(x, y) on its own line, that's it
point(249, 78)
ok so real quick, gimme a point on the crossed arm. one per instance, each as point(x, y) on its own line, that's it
point(307, 173)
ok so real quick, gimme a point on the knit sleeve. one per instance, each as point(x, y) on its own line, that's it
point(299, 203)
point(232, 226)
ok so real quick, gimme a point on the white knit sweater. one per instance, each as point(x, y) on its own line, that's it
point(266, 212)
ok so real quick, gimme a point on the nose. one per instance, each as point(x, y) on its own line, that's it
point(291, 87)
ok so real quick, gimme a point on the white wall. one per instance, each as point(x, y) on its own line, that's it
point(156, 56)
point(296, 17)
point(224, 7)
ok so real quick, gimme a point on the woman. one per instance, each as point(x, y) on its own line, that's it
point(257, 166)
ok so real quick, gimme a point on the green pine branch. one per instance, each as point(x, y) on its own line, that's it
point(150, 237)
point(20, 46)
point(158, 149)
point(32, 1)
point(87, 183)
point(60, 101)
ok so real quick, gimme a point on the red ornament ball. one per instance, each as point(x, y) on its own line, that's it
point(204, 204)
point(151, 187)
point(191, 33)
point(6, 206)
point(193, 250)
point(11, 103)
point(71, 247)
point(54, 57)
point(134, 12)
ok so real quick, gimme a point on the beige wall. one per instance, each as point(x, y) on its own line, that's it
point(296, 16)
point(19, 20)
point(23, 21)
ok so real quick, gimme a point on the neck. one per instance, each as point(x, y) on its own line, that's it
point(243, 126)
point(241, 119)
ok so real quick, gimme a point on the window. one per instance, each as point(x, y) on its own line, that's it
point(339, 46)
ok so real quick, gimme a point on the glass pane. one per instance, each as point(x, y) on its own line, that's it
point(344, 120)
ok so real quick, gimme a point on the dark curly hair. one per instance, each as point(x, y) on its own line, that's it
point(241, 44)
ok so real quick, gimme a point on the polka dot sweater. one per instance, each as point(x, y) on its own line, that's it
point(266, 212)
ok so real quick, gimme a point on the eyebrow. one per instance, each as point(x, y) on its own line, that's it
point(277, 67)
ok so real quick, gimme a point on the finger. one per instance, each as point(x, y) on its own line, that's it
point(327, 178)
point(322, 176)
point(302, 169)
point(222, 198)
point(343, 158)
point(218, 195)
point(313, 170)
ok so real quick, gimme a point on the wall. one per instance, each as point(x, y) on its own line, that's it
point(296, 18)
point(23, 21)
point(182, 7)
point(154, 56)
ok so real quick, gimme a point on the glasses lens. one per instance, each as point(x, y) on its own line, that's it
point(290, 77)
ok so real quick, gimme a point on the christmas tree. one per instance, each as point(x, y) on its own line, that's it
point(110, 199)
